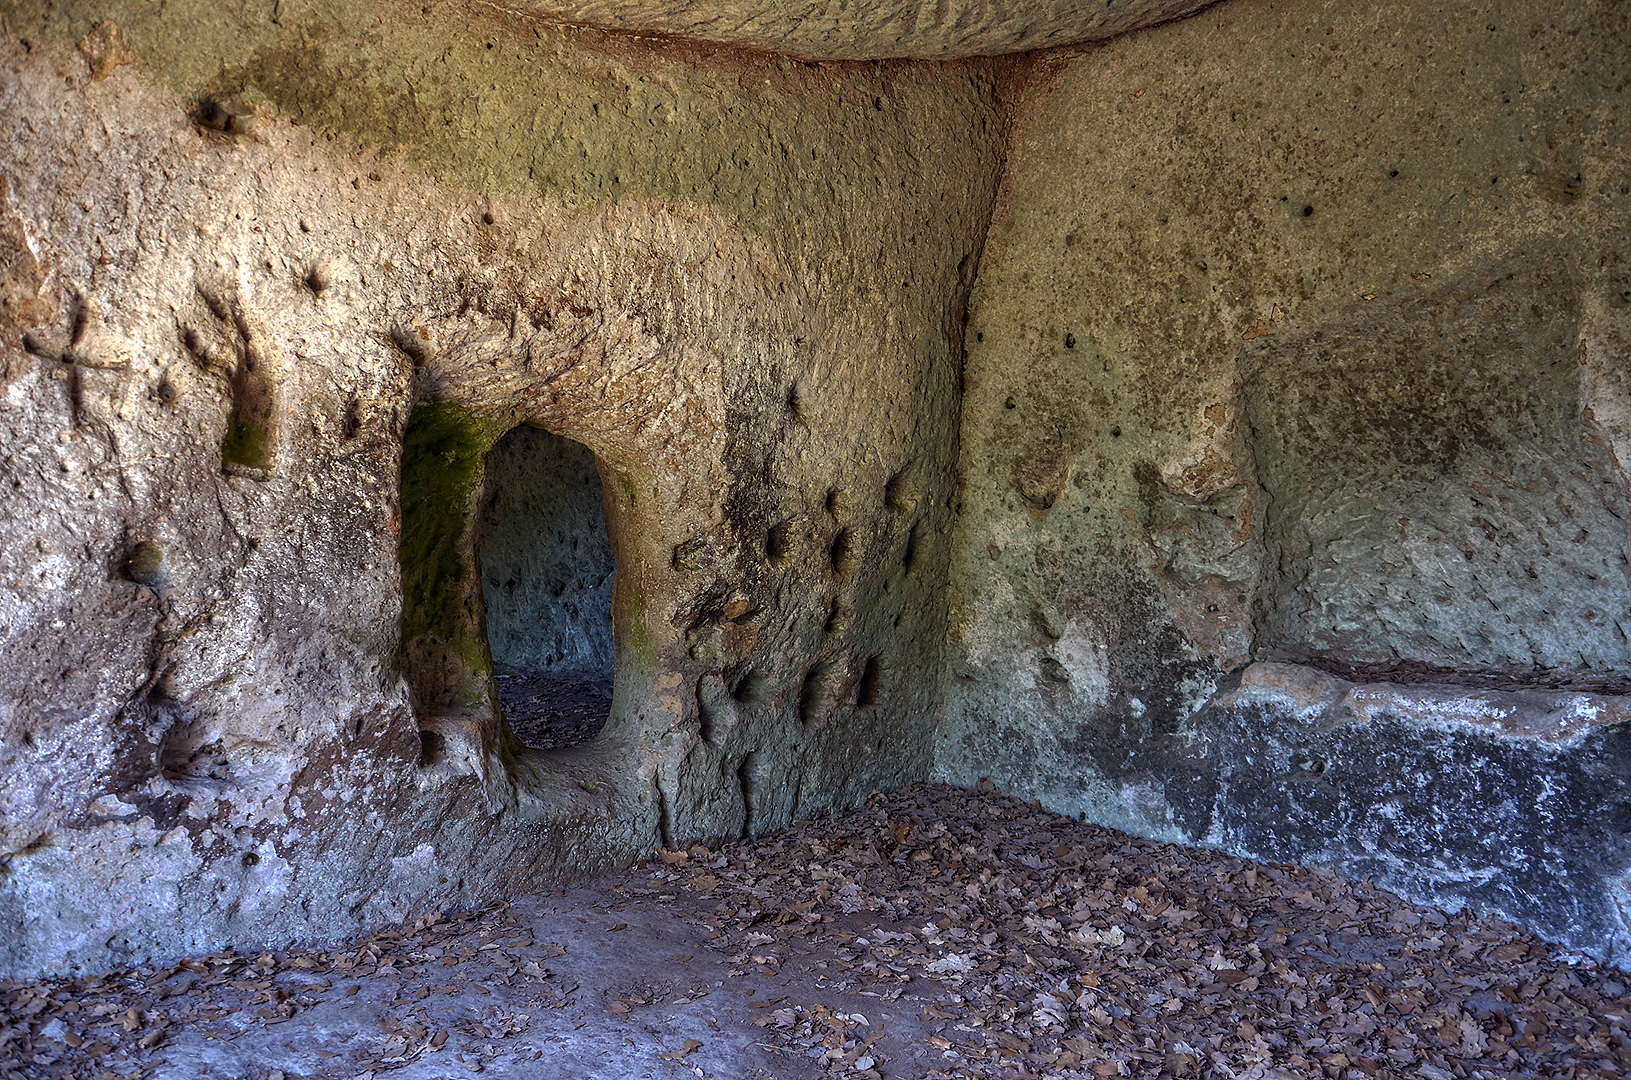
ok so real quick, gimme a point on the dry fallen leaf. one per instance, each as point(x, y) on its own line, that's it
point(691, 1046)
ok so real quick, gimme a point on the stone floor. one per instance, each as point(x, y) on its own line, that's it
point(935, 933)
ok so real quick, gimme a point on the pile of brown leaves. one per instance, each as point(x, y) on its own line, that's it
point(552, 711)
point(116, 1026)
point(1067, 949)
point(936, 933)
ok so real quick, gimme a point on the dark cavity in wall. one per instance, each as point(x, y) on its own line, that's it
point(547, 570)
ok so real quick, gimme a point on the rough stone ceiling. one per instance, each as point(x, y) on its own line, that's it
point(888, 29)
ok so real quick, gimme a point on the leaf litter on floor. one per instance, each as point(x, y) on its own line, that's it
point(1031, 945)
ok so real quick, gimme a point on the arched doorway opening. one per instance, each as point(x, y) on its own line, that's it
point(547, 570)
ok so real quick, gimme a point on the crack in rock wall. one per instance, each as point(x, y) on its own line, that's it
point(1296, 379)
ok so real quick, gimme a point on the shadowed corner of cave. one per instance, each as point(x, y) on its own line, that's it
point(547, 571)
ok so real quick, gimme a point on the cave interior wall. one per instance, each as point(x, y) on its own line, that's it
point(1216, 432)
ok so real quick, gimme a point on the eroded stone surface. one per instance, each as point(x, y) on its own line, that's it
point(237, 744)
point(1300, 337)
point(1429, 489)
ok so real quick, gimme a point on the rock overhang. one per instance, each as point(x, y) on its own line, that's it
point(891, 30)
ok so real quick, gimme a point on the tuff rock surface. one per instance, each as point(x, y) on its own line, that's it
point(1295, 515)
point(1219, 433)
point(256, 368)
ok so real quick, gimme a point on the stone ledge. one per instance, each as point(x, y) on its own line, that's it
point(1561, 717)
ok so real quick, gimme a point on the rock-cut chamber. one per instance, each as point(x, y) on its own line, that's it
point(547, 570)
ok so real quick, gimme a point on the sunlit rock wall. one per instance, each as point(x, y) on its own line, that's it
point(1295, 506)
point(251, 254)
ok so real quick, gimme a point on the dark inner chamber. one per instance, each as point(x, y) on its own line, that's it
point(547, 571)
point(553, 712)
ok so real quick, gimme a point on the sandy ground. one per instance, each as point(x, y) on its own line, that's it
point(936, 933)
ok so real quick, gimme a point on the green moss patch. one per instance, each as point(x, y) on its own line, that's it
point(444, 647)
point(247, 445)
